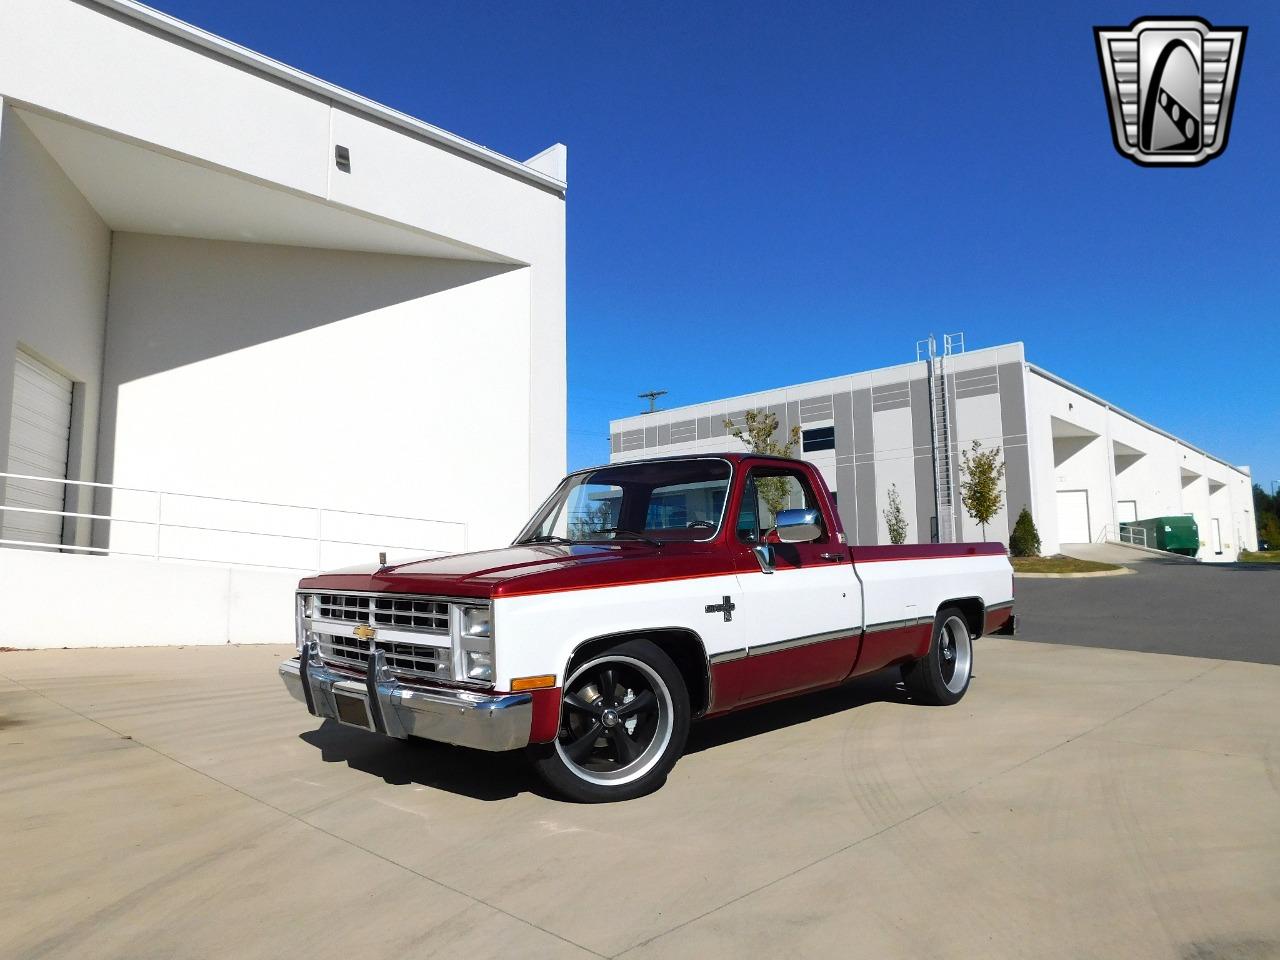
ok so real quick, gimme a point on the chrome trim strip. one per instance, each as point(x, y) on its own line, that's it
point(897, 624)
point(727, 656)
point(345, 628)
point(1000, 606)
point(802, 641)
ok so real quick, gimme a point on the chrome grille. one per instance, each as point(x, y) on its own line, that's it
point(393, 614)
point(409, 659)
point(403, 613)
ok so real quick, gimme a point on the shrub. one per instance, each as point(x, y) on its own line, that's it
point(1025, 539)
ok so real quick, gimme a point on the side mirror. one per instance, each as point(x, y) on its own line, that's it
point(799, 526)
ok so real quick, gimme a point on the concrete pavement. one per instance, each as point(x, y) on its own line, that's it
point(1079, 802)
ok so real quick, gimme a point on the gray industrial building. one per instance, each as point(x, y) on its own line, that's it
point(1081, 465)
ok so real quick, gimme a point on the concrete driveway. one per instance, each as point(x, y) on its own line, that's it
point(1080, 802)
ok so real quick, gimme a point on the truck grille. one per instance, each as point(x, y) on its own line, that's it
point(428, 616)
point(403, 613)
point(407, 659)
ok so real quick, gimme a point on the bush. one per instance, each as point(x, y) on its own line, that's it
point(1025, 539)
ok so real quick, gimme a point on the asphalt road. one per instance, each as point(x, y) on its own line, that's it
point(1223, 611)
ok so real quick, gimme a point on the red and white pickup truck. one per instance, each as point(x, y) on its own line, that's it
point(640, 597)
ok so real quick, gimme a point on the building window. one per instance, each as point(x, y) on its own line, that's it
point(819, 438)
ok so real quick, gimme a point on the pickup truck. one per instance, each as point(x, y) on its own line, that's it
point(640, 597)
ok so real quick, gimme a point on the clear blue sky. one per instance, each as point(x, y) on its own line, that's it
point(763, 193)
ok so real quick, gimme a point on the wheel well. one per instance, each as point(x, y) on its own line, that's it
point(684, 647)
point(972, 609)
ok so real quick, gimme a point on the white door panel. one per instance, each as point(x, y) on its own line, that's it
point(39, 436)
point(800, 603)
point(1073, 516)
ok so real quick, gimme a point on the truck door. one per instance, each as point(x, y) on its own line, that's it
point(802, 621)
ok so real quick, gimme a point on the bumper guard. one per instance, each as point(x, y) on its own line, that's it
point(463, 717)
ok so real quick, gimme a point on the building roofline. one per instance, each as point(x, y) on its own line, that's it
point(811, 383)
point(1068, 385)
point(298, 78)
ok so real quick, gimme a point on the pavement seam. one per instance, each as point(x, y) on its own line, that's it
point(307, 823)
point(907, 819)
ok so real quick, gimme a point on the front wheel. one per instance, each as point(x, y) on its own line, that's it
point(624, 719)
point(942, 675)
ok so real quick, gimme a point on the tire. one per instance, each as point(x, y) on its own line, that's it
point(607, 749)
point(941, 677)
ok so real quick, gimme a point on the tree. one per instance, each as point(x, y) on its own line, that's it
point(761, 426)
point(981, 472)
point(1025, 539)
point(894, 517)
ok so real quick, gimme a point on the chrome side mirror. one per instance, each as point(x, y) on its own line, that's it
point(799, 526)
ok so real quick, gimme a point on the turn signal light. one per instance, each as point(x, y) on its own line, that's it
point(533, 683)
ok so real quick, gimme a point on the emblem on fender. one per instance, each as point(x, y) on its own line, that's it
point(1170, 84)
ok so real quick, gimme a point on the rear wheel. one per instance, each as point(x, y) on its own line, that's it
point(624, 719)
point(942, 675)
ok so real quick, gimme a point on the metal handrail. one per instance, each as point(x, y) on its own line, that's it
point(160, 525)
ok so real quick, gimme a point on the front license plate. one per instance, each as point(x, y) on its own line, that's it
point(353, 710)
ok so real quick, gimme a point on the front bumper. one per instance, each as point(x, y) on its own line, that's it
point(463, 717)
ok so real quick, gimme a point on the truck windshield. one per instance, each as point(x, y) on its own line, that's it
point(670, 500)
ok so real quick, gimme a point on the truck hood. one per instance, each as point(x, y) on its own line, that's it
point(530, 568)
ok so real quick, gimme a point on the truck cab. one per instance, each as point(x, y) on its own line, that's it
point(640, 597)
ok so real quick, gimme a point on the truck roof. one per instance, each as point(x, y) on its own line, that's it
point(734, 457)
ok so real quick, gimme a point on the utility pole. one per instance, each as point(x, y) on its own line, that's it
point(652, 396)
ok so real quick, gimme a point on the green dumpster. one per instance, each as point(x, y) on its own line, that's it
point(1175, 534)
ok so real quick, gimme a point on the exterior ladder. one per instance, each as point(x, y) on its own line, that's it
point(943, 465)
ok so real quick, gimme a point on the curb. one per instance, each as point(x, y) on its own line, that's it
point(1075, 576)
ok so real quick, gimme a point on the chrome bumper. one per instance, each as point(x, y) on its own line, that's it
point(482, 721)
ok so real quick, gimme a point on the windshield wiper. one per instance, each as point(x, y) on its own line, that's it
point(629, 533)
point(545, 538)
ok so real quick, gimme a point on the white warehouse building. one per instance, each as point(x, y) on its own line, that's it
point(251, 325)
point(1083, 466)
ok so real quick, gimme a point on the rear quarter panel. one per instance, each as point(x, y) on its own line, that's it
point(903, 588)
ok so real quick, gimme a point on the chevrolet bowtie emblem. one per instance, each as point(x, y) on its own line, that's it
point(1170, 84)
point(365, 632)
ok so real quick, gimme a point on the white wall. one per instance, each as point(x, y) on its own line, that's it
point(121, 602)
point(53, 286)
point(102, 68)
point(362, 382)
point(1154, 480)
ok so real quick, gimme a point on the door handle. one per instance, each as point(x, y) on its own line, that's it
point(831, 556)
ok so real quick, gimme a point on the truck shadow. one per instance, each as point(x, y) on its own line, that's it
point(470, 773)
point(882, 687)
point(502, 776)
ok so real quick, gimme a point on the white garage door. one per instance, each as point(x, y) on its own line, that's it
point(39, 434)
point(1073, 516)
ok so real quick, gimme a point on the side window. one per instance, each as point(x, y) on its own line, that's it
point(768, 492)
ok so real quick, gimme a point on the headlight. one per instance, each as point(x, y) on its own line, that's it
point(476, 622)
point(479, 665)
point(477, 644)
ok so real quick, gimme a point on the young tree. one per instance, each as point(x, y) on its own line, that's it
point(981, 472)
point(1025, 539)
point(758, 435)
point(894, 517)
